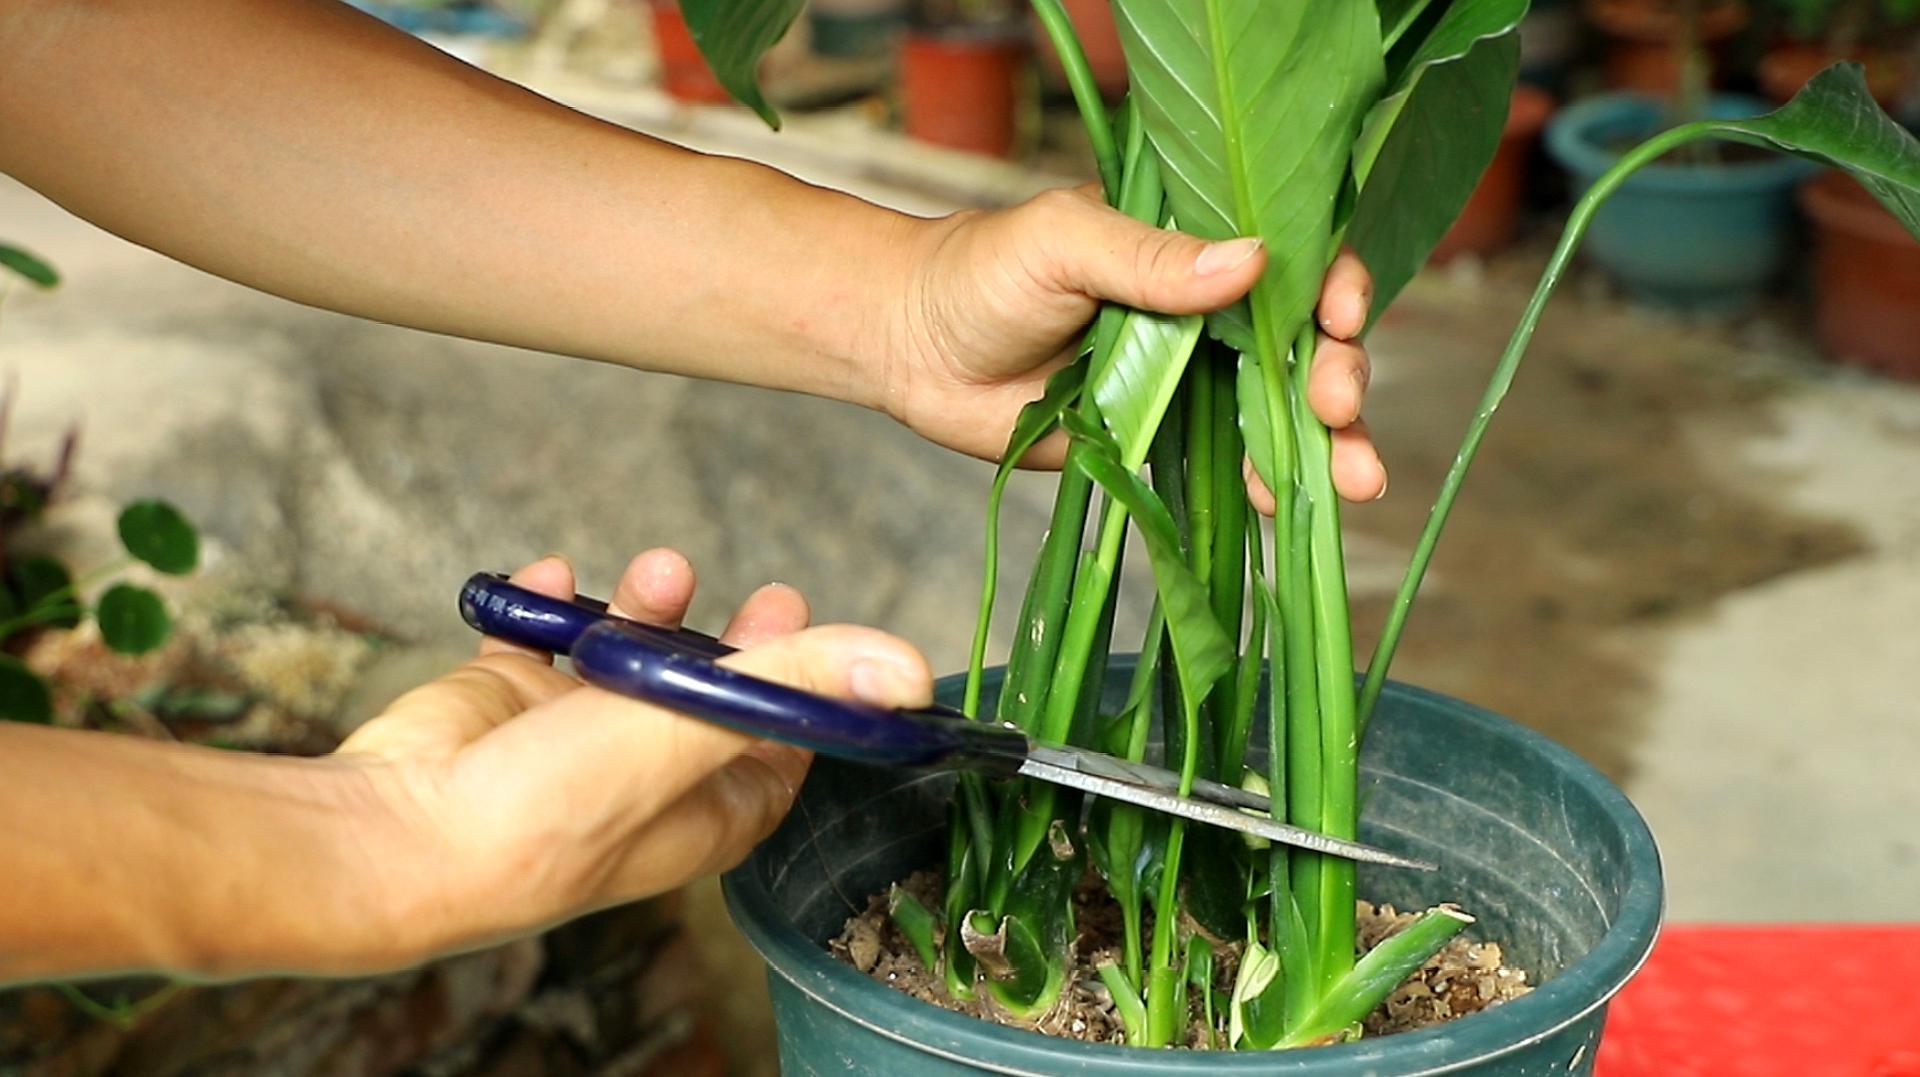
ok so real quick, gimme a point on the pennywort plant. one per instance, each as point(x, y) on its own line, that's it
point(1307, 123)
point(39, 591)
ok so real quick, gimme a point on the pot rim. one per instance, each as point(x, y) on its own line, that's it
point(1517, 1024)
point(1570, 139)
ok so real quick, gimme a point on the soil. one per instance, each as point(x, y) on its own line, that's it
point(1465, 977)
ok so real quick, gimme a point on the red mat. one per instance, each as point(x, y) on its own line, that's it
point(1803, 1000)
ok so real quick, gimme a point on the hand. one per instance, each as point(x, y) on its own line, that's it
point(999, 300)
point(531, 797)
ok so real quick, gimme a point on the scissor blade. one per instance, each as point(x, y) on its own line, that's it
point(1215, 815)
point(1102, 765)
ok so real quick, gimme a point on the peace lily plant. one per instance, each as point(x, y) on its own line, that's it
point(1307, 123)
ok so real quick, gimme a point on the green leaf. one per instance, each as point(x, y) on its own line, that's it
point(1375, 976)
point(132, 619)
point(1464, 25)
point(733, 35)
point(38, 580)
point(28, 266)
point(1138, 381)
point(1249, 1024)
point(1126, 1001)
point(156, 532)
point(1834, 120)
point(1252, 106)
point(1201, 648)
point(1433, 142)
point(23, 695)
point(916, 923)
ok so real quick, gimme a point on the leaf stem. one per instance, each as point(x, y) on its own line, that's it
point(1086, 93)
point(1497, 386)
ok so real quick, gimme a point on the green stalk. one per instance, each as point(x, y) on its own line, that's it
point(1086, 93)
point(1333, 670)
point(1502, 380)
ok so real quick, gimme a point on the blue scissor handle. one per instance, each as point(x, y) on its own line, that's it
point(615, 656)
point(495, 607)
point(675, 669)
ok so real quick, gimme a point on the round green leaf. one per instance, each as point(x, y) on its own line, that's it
point(158, 534)
point(23, 695)
point(132, 619)
point(35, 580)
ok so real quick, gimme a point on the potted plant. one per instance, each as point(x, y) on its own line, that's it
point(1708, 228)
point(1866, 279)
point(855, 28)
point(1648, 40)
point(1818, 33)
point(1308, 126)
point(963, 74)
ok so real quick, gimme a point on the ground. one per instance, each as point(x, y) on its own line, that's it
point(1691, 552)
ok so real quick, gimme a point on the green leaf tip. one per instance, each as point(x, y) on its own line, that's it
point(158, 534)
point(733, 35)
point(27, 266)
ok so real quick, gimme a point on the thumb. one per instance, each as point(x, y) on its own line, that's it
point(1095, 250)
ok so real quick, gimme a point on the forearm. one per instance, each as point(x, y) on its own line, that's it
point(300, 147)
point(120, 855)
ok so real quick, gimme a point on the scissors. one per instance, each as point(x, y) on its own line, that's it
point(676, 669)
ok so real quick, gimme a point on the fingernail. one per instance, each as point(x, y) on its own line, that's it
point(1359, 378)
point(1384, 477)
point(560, 557)
point(877, 681)
point(1225, 256)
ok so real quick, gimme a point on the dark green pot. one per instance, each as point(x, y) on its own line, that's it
point(1552, 858)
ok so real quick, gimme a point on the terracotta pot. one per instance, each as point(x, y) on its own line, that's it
point(1099, 37)
point(1492, 215)
point(1866, 278)
point(1641, 55)
point(683, 71)
point(961, 88)
point(1786, 68)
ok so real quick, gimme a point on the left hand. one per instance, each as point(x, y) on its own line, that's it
point(521, 797)
point(998, 301)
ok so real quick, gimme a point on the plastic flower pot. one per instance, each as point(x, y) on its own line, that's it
point(960, 87)
point(1491, 217)
point(1643, 53)
point(855, 28)
point(683, 71)
point(1786, 68)
point(1866, 278)
point(1700, 237)
point(1551, 857)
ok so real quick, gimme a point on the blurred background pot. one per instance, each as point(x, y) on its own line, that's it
point(1645, 38)
point(1705, 236)
point(683, 71)
point(1866, 278)
point(1553, 858)
point(960, 85)
point(1787, 67)
point(1491, 217)
point(855, 28)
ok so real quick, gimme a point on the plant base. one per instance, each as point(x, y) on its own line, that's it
point(1559, 865)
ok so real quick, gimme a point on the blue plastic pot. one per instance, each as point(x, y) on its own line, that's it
point(1691, 237)
point(1551, 857)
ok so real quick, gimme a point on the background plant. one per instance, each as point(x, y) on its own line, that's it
point(1308, 125)
point(40, 591)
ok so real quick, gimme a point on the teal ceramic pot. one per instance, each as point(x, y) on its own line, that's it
point(1706, 238)
point(1557, 865)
